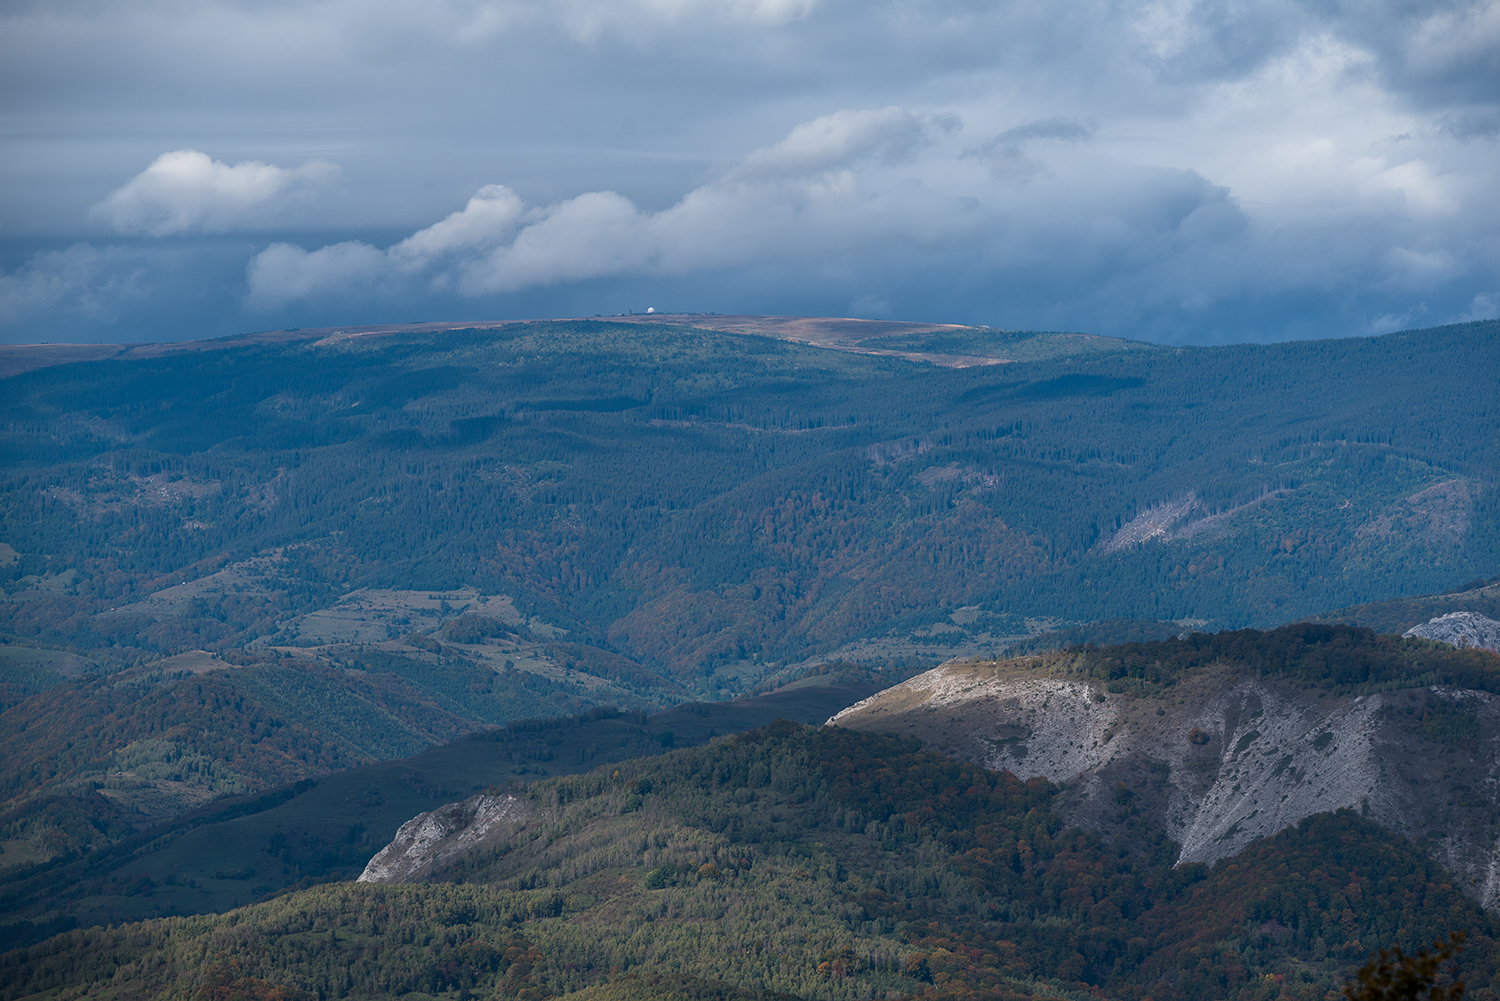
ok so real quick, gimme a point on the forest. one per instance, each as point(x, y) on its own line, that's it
point(819, 863)
point(263, 602)
point(309, 822)
point(709, 505)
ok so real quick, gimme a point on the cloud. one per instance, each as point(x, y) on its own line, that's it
point(83, 281)
point(875, 212)
point(842, 138)
point(639, 20)
point(285, 273)
point(1006, 153)
point(1457, 38)
point(187, 192)
point(491, 216)
point(1171, 169)
point(1485, 306)
point(1472, 123)
point(797, 197)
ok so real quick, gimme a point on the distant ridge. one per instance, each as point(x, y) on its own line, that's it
point(834, 333)
point(1399, 615)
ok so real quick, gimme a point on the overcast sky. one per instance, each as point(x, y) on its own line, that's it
point(1175, 171)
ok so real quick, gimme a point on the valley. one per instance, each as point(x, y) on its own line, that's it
point(325, 826)
point(1101, 631)
point(819, 863)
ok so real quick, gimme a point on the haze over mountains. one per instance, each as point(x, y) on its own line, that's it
point(249, 581)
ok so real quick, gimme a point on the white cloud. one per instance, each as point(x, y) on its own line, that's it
point(640, 20)
point(1165, 28)
point(797, 197)
point(186, 191)
point(1455, 37)
point(842, 138)
point(1339, 154)
point(860, 194)
point(596, 234)
point(490, 217)
point(285, 273)
point(1485, 306)
point(1416, 183)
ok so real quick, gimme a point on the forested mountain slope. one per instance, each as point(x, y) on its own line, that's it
point(77, 854)
point(90, 760)
point(232, 565)
point(829, 864)
point(704, 504)
point(1397, 615)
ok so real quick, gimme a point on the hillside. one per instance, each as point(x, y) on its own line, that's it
point(821, 863)
point(239, 848)
point(1400, 614)
point(1213, 742)
point(698, 508)
point(947, 344)
point(88, 760)
point(238, 575)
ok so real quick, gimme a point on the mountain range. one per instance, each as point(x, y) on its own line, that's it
point(278, 605)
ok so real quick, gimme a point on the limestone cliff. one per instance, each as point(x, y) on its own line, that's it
point(1222, 758)
point(1462, 629)
point(429, 841)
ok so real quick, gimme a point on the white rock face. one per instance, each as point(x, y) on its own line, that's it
point(1224, 759)
point(1463, 629)
point(429, 841)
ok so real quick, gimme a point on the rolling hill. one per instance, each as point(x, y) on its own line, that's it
point(712, 506)
point(247, 582)
point(820, 863)
point(214, 853)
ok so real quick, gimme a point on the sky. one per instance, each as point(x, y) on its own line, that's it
point(1172, 171)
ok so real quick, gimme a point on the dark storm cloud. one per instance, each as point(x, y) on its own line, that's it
point(1433, 53)
point(1175, 170)
point(1472, 123)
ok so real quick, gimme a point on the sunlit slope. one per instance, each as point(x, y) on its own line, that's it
point(77, 854)
point(825, 864)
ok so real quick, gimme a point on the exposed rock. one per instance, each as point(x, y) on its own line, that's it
point(1462, 629)
point(1171, 521)
point(1224, 758)
point(429, 841)
point(1153, 523)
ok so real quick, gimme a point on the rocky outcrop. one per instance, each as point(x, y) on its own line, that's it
point(1222, 758)
point(426, 844)
point(1462, 629)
